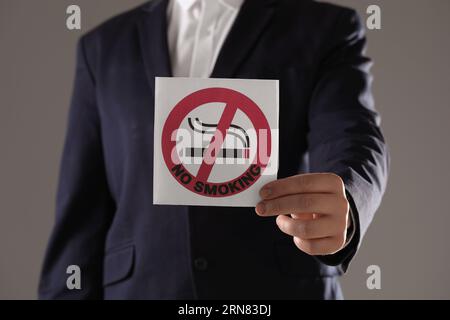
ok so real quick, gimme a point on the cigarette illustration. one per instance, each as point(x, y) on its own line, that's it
point(209, 129)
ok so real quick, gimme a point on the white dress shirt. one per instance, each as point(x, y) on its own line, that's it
point(197, 30)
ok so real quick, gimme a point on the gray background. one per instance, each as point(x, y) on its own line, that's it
point(408, 238)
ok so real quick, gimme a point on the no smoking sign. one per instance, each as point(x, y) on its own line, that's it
point(215, 140)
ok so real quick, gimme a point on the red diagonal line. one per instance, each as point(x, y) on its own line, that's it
point(216, 141)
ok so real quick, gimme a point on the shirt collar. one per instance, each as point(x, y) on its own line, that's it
point(187, 4)
point(235, 4)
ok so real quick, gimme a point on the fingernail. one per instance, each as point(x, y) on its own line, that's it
point(261, 208)
point(265, 192)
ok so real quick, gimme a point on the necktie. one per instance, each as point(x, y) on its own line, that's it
point(203, 52)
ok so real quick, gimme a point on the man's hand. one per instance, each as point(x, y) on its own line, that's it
point(312, 208)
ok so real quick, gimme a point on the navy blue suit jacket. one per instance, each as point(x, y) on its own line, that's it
point(127, 247)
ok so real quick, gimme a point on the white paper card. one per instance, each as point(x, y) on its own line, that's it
point(215, 140)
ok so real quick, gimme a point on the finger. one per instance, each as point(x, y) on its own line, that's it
point(311, 229)
point(320, 247)
point(303, 203)
point(303, 183)
point(305, 216)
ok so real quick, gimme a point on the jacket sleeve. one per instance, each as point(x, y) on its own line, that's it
point(84, 207)
point(344, 129)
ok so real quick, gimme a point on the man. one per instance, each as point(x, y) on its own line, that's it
point(307, 227)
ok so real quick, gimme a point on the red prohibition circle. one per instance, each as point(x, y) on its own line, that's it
point(234, 100)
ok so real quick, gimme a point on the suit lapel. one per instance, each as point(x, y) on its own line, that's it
point(248, 27)
point(153, 40)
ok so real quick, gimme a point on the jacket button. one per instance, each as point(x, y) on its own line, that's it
point(201, 264)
